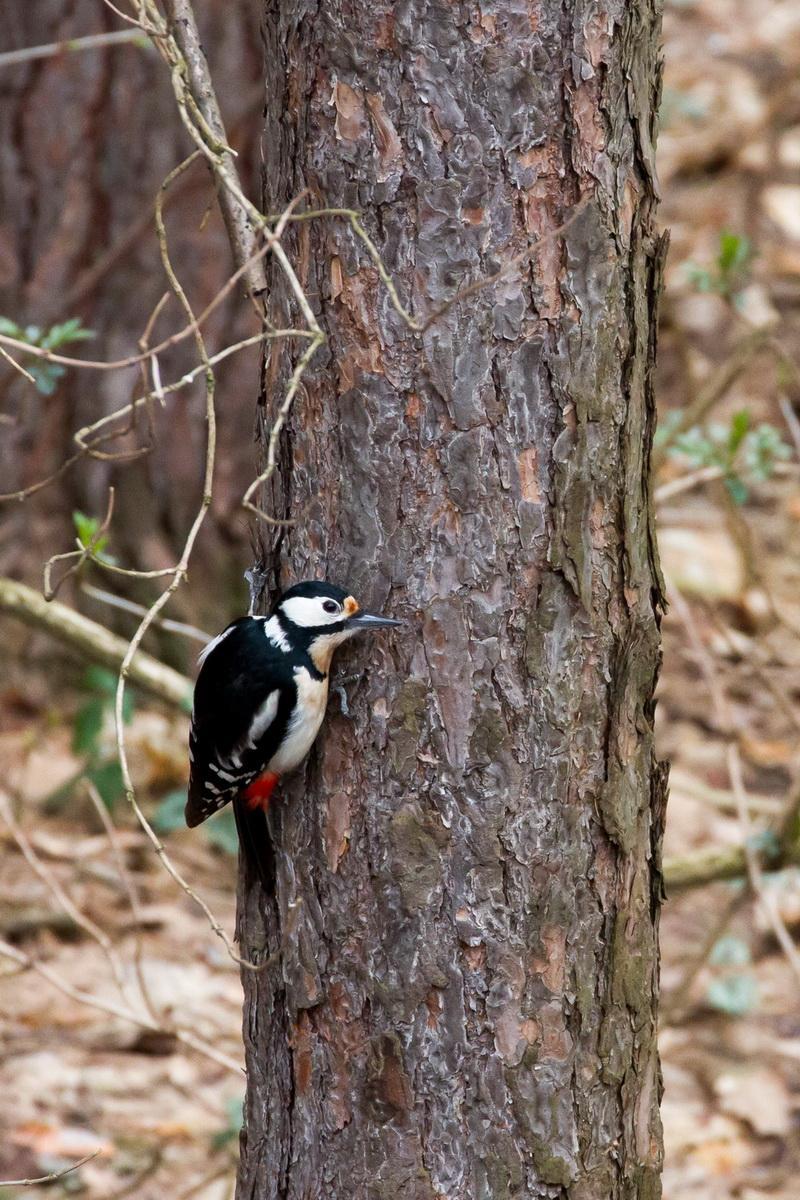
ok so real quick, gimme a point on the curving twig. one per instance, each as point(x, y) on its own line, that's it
point(178, 575)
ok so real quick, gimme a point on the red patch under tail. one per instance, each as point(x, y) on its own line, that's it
point(259, 793)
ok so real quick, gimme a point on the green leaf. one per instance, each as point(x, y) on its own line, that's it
point(729, 270)
point(221, 831)
point(88, 726)
point(735, 995)
point(740, 424)
point(734, 252)
point(107, 778)
point(63, 334)
point(87, 529)
point(11, 329)
point(45, 376)
point(169, 814)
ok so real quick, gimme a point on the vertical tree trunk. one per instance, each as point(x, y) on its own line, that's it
point(465, 1005)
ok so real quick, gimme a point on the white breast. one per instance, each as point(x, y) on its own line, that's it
point(312, 699)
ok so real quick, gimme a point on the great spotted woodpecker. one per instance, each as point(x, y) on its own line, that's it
point(259, 702)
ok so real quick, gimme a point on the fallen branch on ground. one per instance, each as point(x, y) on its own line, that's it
point(94, 641)
point(716, 865)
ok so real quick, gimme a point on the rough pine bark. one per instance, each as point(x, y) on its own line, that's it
point(465, 1001)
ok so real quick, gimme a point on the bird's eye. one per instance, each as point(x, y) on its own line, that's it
point(330, 606)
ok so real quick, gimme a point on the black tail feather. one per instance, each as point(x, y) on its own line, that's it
point(255, 843)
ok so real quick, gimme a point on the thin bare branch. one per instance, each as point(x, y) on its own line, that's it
point(53, 1177)
point(33, 488)
point(792, 421)
point(241, 232)
point(179, 627)
point(16, 366)
point(93, 41)
point(81, 554)
point(280, 421)
point(178, 577)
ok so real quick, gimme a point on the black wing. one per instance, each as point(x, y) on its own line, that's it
point(242, 701)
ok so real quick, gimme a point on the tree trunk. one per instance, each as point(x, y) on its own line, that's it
point(465, 1001)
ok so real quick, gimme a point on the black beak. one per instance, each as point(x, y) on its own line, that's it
point(365, 620)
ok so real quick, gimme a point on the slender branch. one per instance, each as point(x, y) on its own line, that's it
point(179, 627)
point(717, 865)
point(179, 575)
point(16, 366)
point(52, 1177)
point(93, 41)
point(241, 234)
point(82, 434)
point(81, 554)
point(280, 421)
point(139, 22)
point(792, 422)
point(33, 488)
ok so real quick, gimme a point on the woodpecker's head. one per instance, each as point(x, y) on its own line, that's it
point(320, 616)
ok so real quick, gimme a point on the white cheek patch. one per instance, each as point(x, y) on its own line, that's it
point(308, 610)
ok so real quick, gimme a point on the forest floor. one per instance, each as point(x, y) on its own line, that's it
point(114, 1076)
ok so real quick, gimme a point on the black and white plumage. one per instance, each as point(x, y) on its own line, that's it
point(261, 694)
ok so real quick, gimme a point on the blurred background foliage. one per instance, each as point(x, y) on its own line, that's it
point(78, 262)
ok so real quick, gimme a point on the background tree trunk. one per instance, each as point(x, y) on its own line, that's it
point(468, 873)
point(87, 138)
